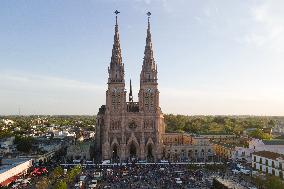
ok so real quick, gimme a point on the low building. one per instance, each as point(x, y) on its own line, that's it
point(243, 154)
point(79, 151)
point(39, 158)
point(184, 147)
point(269, 162)
point(224, 150)
point(7, 146)
point(273, 145)
point(220, 137)
point(177, 138)
point(8, 173)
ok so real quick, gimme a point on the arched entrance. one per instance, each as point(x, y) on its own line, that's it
point(115, 156)
point(150, 156)
point(132, 151)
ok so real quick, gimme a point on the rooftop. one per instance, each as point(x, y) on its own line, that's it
point(226, 145)
point(274, 142)
point(10, 163)
point(269, 155)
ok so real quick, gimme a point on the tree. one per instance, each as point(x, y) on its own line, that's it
point(61, 185)
point(273, 182)
point(43, 183)
point(24, 144)
point(72, 173)
point(258, 133)
point(259, 182)
point(56, 173)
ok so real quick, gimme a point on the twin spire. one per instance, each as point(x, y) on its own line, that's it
point(116, 57)
point(116, 70)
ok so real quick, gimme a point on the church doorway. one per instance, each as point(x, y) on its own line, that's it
point(150, 156)
point(132, 150)
point(115, 153)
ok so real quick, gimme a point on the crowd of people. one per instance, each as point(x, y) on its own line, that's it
point(155, 176)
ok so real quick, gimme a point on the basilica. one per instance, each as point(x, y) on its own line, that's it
point(126, 129)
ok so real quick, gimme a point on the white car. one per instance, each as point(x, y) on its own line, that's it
point(97, 175)
point(178, 181)
point(94, 182)
point(82, 178)
point(92, 186)
point(245, 171)
point(105, 162)
point(235, 171)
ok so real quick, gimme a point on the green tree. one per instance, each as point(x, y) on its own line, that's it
point(43, 183)
point(72, 173)
point(258, 133)
point(61, 185)
point(24, 144)
point(273, 182)
point(56, 173)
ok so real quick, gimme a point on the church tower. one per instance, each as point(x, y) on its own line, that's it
point(116, 95)
point(148, 94)
point(149, 99)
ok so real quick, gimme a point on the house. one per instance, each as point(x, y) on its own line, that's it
point(269, 162)
point(274, 145)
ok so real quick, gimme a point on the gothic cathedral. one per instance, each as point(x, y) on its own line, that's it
point(127, 129)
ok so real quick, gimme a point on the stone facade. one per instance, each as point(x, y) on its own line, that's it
point(127, 129)
point(179, 147)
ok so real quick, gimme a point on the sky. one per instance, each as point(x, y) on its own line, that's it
point(214, 57)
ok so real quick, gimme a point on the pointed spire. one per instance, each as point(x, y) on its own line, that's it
point(149, 61)
point(116, 68)
point(116, 50)
point(130, 93)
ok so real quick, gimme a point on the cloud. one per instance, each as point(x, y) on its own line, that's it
point(267, 29)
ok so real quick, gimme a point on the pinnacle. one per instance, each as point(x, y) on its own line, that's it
point(116, 50)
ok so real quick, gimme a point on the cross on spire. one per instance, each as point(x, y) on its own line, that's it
point(116, 12)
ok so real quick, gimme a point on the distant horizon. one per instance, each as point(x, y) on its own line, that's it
point(213, 57)
point(163, 113)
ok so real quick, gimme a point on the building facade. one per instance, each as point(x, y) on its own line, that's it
point(128, 129)
point(79, 151)
point(276, 146)
point(269, 162)
point(180, 147)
